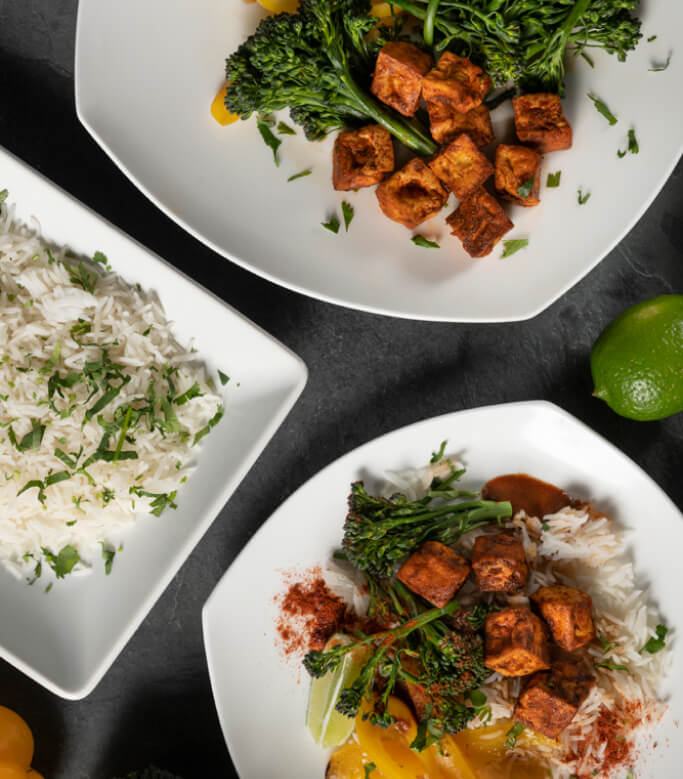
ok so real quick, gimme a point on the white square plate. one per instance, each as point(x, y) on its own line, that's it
point(262, 700)
point(146, 73)
point(67, 639)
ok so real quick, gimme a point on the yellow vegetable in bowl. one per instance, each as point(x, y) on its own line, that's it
point(279, 6)
point(218, 110)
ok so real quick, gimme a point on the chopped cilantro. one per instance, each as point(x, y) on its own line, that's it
point(347, 213)
point(420, 240)
point(101, 258)
point(651, 38)
point(215, 419)
point(524, 190)
point(285, 129)
point(612, 666)
point(545, 526)
point(588, 59)
point(31, 440)
point(514, 245)
point(554, 179)
point(268, 138)
point(4, 193)
point(300, 175)
point(224, 379)
point(662, 66)
point(513, 734)
point(603, 109)
point(108, 557)
point(436, 456)
point(62, 563)
point(656, 644)
point(369, 768)
point(81, 278)
point(193, 392)
point(332, 225)
point(583, 199)
point(606, 645)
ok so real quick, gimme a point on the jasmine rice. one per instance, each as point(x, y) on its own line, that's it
point(100, 407)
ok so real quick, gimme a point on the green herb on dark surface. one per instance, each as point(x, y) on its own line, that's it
point(656, 643)
point(582, 199)
point(612, 666)
point(285, 129)
point(223, 378)
point(108, 557)
point(312, 62)
point(369, 768)
point(662, 66)
point(513, 734)
point(420, 240)
point(603, 109)
point(524, 190)
point(301, 175)
point(269, 139)
point(554, 179)
point(62, 563)
point(514, 245)
point(347, 213)
point(436, 456)
point(332, 225)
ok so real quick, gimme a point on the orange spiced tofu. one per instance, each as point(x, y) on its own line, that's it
point(412, 194)
point(445, 123)
point(398, 76)
point(362, 157)
point(568, 612)
point(479, 222)
point(435, 572)
point(549, 701)
point(518, 174)
point(516, 643)
point(461, 167)
point(539, 121)
point(456, 82)
point(499, 563)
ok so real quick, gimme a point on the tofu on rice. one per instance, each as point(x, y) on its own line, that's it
point(412, 194)
point(499, 563)
point(397, 80)
point(446, 123)
point(435, 572)
point(461, 167)
point(539, 121)
point(479, 222)
point(456, 82)
point(518, 174)
point(361, 158)
point(569, 613)
point(516, 642)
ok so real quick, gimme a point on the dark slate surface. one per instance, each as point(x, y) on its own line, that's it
point(368, 375)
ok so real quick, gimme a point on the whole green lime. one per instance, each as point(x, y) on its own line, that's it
point(637, 362)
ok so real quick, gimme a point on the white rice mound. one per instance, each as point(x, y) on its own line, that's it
point(39, 305)
point(582, 548)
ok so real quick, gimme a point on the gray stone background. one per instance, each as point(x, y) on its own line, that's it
point(368, 375)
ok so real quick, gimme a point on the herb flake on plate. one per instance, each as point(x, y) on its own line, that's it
point(269, 139)
point(420, 240)
point(602, 108)
point(332, 225)
point(514, 245)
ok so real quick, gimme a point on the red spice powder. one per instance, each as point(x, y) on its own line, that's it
point(612, 729)
point(309, 613)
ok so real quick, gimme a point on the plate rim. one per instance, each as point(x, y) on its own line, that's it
point(178, 559)
point(545, 406)
point(521, 316)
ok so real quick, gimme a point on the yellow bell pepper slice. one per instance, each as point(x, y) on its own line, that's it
point(279, 6)
point(348, 762)
point(218, 110)
point(382, 10)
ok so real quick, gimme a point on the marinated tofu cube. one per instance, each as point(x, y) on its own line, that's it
point(418, 694)
point(456, 82)
point(445, 123)
point(479, 222)
point(435, 572)
point(362, 157)
point(461, 167)
point(398, 76)
point(412, 195)
point(499, 563)
point(516, 643)
point(550, 700)
point(539, 121)
point(518, 174)
point(568, 612)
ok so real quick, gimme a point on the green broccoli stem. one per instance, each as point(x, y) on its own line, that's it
point(410, 136)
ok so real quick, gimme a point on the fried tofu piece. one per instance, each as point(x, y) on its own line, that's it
point(479, 222)
point(362, 157)
point(457, 82)
point(418, 694)
point(499, 563)
point(446, 124)
point(518, 174)
point(516, 643)
point(550, 701)
point(537, 498)
point(461, 167)
point(539, 121)
point(398, 76)
point(435, 572)
point(412, 195)
point(569, 613)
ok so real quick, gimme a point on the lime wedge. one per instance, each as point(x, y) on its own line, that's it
point(328, 727)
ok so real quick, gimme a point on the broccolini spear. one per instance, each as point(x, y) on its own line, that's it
point(306, 62)
point(379, 532)
point(525, 42)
